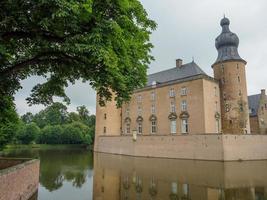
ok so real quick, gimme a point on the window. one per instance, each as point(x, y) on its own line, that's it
point(223, 81)
point(105, 130)
point(174, 188)
point(139, 98)
point(240, 93)
point(153, 127)
point(173, 109)
point(127, 112)
point(222, 69)
point(238, 78)
point(153, 109)
point(237, 66)
point(172, 92)
point(224, 96)
point(215, 91)
point(184, 105)
point(153, 96)
point(105, 116)
point(173, 127)
point(184, 126)
point(216, 106)
point(127, 128)
point(140, 128)
point(217, 126)
point(139, 110)
point(241, 108)
point(185, 190)
point(184, 91)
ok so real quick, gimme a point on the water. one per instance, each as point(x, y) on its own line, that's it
point(75, 173)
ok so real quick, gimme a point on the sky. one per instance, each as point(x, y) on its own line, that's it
point(187, 29)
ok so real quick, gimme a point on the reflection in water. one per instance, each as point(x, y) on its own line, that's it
point(61, 166)
point(66, 174)
point(121, 177)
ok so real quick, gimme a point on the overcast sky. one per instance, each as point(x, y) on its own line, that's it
point(186, 29)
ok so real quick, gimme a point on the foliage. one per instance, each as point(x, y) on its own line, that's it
point(27, 118)
point(28, 133)
point(51, 135)
point(8, 120)
point(54, 114)
point(105, 42)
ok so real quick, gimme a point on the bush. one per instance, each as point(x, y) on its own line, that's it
point(27, 133)
point(72, 134)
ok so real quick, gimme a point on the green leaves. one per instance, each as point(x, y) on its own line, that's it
point(105, 42)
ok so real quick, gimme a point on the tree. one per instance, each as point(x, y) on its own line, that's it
point(54, 114)
point(9, 120)
point(27, 118)
point(105, 42)
point(28, 133)
point(51, 135)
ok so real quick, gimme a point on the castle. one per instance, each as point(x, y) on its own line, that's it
point(184, 101)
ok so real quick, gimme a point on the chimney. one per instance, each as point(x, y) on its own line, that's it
point(179, 62)
point(263, 92)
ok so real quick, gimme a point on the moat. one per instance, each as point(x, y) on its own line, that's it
point(68, 173)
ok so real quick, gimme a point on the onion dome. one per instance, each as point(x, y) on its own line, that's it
point(227, 43)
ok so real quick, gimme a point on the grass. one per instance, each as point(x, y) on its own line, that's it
point(42, 146)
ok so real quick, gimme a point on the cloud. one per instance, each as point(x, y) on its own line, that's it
point(186, 29)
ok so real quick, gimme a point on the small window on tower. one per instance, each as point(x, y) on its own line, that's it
point(237, 66)
point(240, 93)
point(105, 130)
point(105, 116)
point(238, 79)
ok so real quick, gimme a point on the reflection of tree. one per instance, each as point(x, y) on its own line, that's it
point(59, 165)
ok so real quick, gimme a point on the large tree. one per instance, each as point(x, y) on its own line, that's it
point(104, 42)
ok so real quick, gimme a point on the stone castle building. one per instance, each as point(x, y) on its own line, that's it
point(185, 100)
point(258, 113)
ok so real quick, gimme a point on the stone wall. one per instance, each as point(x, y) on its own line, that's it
point(197, 147)
point(19, 182)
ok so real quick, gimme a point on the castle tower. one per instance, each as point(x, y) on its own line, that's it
point(229, 70)
point(108, 120)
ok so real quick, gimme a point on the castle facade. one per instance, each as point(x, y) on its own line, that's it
point(182, 101)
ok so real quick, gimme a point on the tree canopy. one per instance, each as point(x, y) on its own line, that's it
point(105, 42)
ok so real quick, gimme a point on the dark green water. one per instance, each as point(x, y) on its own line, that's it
point(78, 174)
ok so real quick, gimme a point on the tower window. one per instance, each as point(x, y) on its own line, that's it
point(238, 79)
point(105, 130)
point(237, 66)
point(105, 116)
point(240, 93)
point(223, 81)
point(222, 68)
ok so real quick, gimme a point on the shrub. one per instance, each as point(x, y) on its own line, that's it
point(27, 133)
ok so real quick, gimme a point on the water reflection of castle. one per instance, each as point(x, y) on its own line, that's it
point(120, 177)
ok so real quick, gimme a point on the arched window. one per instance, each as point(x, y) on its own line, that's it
point(153, 121)
point(139, 121)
